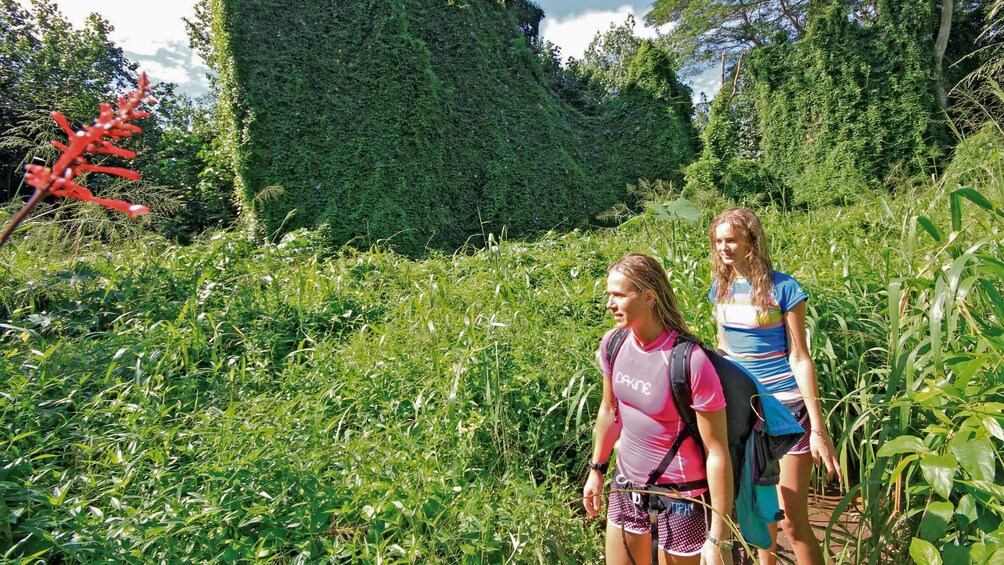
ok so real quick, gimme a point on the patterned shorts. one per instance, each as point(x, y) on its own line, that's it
point(682, 529)
point(797, 408)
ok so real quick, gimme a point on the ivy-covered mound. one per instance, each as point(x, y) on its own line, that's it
point(850, 103)
point(821, 120)
point(420, 119)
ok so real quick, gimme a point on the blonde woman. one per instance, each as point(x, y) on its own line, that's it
point(638, 409)
point(760, 314)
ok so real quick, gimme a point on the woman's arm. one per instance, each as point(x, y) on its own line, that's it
point(805, 375)
point(714, 433)
point(605, 433)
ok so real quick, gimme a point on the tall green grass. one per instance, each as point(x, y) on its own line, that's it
point(280, 403)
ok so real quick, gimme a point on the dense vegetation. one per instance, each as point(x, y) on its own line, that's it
point(828, 108)
point(432, 122)
point(278, 402)
point(283, 400)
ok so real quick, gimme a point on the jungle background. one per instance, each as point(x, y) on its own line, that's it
point(360, 323)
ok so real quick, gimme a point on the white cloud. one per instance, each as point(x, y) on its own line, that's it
point(141, 26)
point(574, 33)
point(708, 82)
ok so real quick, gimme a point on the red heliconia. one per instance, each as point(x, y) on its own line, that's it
point(112, 124)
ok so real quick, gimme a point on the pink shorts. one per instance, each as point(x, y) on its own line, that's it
point(682, 529)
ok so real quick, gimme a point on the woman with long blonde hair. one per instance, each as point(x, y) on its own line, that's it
point(639, 410)
point(760, 314)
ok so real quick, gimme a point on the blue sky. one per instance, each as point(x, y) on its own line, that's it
point(152, 33)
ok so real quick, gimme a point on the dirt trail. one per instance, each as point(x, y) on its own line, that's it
point(821, 507)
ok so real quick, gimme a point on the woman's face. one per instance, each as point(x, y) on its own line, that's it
point(626, 303)
point(731, 247)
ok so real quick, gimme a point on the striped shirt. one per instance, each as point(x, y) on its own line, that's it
point(757, 340)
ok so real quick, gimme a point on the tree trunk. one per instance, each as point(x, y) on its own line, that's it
point(940, 45)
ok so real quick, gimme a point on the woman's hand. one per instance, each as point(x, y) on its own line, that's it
point(711, 554)
point(824, 454)
point(592, 493)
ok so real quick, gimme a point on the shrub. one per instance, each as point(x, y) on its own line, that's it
point(743, 181)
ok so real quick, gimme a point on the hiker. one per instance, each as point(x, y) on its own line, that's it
point(638, 409)
point(760, 314)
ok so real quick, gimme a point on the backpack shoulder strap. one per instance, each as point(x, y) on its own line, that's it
point(682, 394)
point(679, 379)
point(614, 346)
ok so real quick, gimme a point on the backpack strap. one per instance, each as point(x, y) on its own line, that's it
point(682, 394)
point(614, 346)
point(681, 384)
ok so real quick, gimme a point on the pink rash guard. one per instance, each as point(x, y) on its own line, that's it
point(649, 419)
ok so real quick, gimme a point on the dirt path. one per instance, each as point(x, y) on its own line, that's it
point(821, 507)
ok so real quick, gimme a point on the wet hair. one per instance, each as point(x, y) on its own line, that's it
point(746, 227)
point(645, 273)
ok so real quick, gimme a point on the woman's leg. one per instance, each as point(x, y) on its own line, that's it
point(640, 549)
point(620, 543)
point(769, 556)
point(793, 491)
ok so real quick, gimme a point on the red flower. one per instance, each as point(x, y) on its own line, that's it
point(112, 125)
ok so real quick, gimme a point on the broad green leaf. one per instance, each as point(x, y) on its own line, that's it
point(930, 228)
point(976, 457)
point(986, 487)
point(978, 552)
point(903, 444)
point(683, 209)
point(934, 524)
point(955, 553)
point(955, 210)
point(966, 366)
point(904, 463)
point(924, 553)
point(939, 471)
point(994, 427)
point(974, 197)
point(967, 508)
point(632, 221)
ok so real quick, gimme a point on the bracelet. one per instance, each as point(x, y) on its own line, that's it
point(723, 544)
point(818, 432)
point(601, 467)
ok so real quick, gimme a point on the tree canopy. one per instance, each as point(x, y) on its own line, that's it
point(705, 28)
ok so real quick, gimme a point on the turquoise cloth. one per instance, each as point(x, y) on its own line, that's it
point(757, 504)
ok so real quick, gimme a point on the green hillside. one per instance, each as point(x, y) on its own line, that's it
point(426, 121)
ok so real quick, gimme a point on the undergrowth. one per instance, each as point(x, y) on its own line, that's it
point(281, 403)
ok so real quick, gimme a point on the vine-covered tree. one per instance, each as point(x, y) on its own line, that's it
point(606, 61)
point(428, 122)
